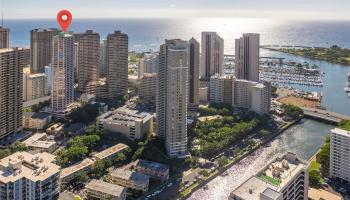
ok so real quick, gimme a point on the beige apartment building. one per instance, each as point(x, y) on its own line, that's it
point(11, 92)
point(87, 59)
point(34, 85)
point(27, 176)
point(131, 180)
point(148, 88)
point(41, 48)
point(4, 37)
point(97, 189)
point(117, 64)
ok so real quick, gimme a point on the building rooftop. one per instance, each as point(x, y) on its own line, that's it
point(36, 167)
point(317, 194)
point(125, 117)
point(135, 177)
point(341, 132)
point(39, 140)
point(37, 75)
point(77, 167)
point(44, 29)
point(110, 151)
point(272, 179)
point(36, 115)
point(251, 189)
point(106, 188)
point(281, 170)
point(151, 165)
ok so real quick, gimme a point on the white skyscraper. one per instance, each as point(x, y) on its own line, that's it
point(247, 57)
point(172, 96)
point(339, 167)
point(212, 60)
point(62, 94)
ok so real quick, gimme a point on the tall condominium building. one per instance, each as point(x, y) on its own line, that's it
point(117, 64)
point(261, 98)
point(172, 96)
point(286, 178)
point(103, 58)
point(34, 85)
point(193, 93)
point(148, 64)
point(87, 58)
point(339, 168)
point(4, 37)
point(11, 91)
point(41, 48)
point(62, 93)
point(212, 55)
point(247, 57)
point(148, 88)
point(240, 93)
point(27, 176)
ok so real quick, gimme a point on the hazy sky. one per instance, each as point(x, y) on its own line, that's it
point(300, 9)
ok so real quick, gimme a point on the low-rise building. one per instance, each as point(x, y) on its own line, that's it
point(131, 123)
point(285, 178)
point(320, 194)
point(97, 189)
point(132, 180)
point(111, 152)
point(55, 129)
point(27, 176)
point(153, 169)
point(69, 173)
point(339, 167)
point(40, 142)
point(36, 120)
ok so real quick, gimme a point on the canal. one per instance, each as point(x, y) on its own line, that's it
point(304, 139)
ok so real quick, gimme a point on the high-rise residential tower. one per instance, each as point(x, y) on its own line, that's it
point(62, 94)
point(41, 48)
point(34, 85)
point(117, 64)
point(193, 74)
point(11, 94)
point(88, 58)
point(247, 57)
point(4, 37)
point(172, 96)
point(339, 165)
point(212, 55)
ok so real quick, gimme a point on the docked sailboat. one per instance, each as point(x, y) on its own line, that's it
point(347, 88)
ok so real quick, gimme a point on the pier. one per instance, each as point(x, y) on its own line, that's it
point(324, 115)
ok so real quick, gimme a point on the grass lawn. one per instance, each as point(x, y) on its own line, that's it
point(271, 180)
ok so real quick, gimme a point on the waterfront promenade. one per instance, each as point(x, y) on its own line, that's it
point(324, 115)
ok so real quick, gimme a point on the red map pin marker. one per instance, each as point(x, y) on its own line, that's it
point(64, 18)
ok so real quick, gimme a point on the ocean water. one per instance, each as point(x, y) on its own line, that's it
point(145, 34)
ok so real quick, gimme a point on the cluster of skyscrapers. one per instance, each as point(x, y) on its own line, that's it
point(56, 62)
point(170, 80)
